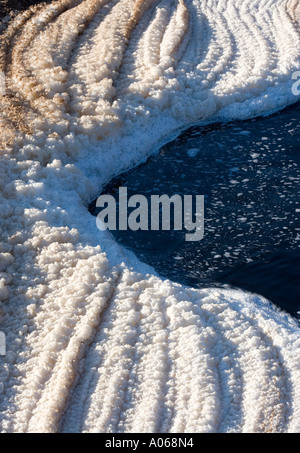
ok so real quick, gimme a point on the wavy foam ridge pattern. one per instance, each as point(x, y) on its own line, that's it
point(94, 344)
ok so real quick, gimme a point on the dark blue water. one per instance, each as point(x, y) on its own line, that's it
point(249, 174)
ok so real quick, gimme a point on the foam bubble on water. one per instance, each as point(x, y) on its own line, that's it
point(193, 152)
point(92, 88)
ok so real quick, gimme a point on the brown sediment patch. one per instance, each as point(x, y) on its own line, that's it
point(17, 111)
point(13, 109)
point(11, 7)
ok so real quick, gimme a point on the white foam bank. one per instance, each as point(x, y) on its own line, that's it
point(94, 344)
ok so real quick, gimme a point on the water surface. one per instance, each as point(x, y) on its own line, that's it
point(249, 174)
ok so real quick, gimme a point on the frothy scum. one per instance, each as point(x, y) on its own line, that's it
point(94, 343)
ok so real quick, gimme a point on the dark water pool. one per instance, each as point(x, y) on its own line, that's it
point(249, 174)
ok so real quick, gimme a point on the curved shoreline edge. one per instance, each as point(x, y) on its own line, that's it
point(94, 346)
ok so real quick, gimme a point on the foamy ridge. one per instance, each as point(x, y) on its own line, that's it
point(94, 345)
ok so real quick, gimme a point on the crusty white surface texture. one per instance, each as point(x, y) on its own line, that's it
point(95, 343)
